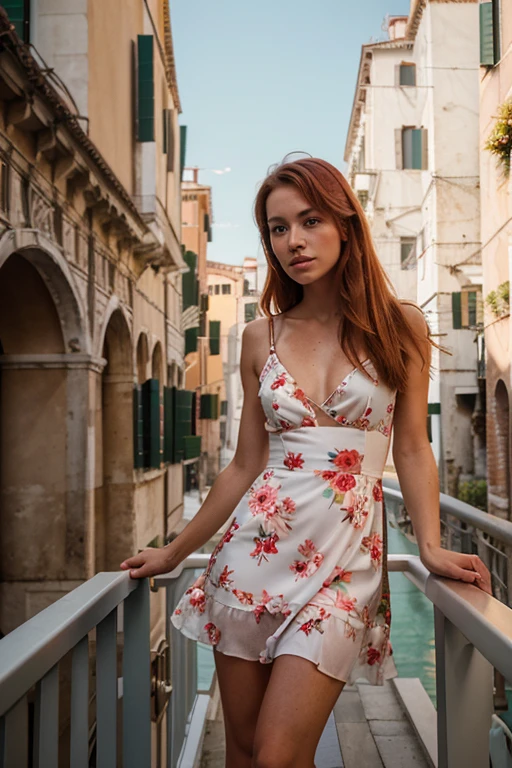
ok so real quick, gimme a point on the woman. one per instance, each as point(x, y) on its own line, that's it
point(298, 582)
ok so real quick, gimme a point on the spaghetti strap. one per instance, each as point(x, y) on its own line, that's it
point(271, 331)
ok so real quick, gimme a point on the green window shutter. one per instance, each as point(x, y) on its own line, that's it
point(207, 227)
point(145, 89)
point(417, 148)
point(214, 337)
point(205, 407)
point(170, 140)
point(182, 421)
point(18, 12)
point(456, 310)
point(151, 415)
point(191, 335)
point(487, 48)
point(472, 308)
point(223, 407)
point(169, 393)
point(189, 281)
point(183, 148)
point(250, 312)
point(138, 429)
point(165, 131)
point(192, 446)
point(205, 302)
point(429, 428)
point(434, 409)
point(407, 74)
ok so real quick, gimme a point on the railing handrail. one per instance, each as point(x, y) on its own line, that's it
point(499, 529)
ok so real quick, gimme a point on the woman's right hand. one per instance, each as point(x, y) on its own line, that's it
point(150, 562)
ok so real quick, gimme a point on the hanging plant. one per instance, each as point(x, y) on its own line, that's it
point(499, 300)
point(499, 142)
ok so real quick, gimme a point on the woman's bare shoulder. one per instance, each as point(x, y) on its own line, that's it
point(415, 316)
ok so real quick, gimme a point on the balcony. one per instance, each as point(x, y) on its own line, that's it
point(107, 617)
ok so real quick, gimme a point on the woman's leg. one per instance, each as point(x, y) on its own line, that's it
point(295, 709)
point(242, 687)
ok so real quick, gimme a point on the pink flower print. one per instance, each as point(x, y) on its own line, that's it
point(275, 406)
point(345, 602)
point(293, 461)
point(377, 491)
point(177, 611)
point(284, 425)
point(390, 408)
point(274, 604)
point(299, 395)
point(277, 519)
point(350, 631)
point(307, 627)
point(307, 548)
point(300, 568)
point(280, 381)
point(263, 499)
point(289, 505)
point(224, 580)
point(307, 421)
point(197, 599)
point(258, 611)
point(213, 633)
point(358, 512)
point(326, 474)
point(268, 474)
point(373, 656)
point(374, 545)
point(348, 461)
point(246, 598)
point(265, 546)
point(342, 419)
point(342, 482)
point(314, 616)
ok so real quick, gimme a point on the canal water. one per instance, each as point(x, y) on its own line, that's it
point(412, 626)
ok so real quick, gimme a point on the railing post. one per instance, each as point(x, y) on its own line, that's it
point(136, 680)
point(464, 689)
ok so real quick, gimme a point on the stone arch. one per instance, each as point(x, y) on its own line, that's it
point(142, 357)
point(502, 407)
point(54, 270)
point(114, 304)
point(115, 531)
point(157, 363)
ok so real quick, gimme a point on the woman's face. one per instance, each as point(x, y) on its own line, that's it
point(306, 241)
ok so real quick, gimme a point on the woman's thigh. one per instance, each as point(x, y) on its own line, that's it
point(242, 686)
point(295, 709)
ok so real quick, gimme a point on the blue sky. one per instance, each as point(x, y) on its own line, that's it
point(258, 80)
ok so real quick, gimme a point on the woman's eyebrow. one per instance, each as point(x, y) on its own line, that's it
point(299, 216)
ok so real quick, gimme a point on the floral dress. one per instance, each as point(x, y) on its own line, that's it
point(302, 568)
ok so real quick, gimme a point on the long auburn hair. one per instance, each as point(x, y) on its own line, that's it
point(370, 310)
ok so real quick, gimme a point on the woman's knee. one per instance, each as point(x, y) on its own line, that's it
point(275, 756)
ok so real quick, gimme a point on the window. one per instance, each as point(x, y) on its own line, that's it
point(189, 283)
point(226, 288)
point(412, 148)
point(145, 89)
point(216, 289)
point(467, 309)
point(214, 337)
point(407, 74)
point(209, 407)
point(19, 15)
point(250, 312)
point(490, 33)
point(146, 425)
point(407, 252)
point(207, 227)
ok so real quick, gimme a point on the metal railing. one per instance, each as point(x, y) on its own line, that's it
point(109, 615)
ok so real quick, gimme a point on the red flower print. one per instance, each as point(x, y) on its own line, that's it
point(390, 408)
point(299, 567)
point(280, 381)
point(197, 599)
point(275, 406)
point(357, 513)
point(307, 548)
point(268, 474)
point(177, 611)
point(273, 604)
point(373, 545)
point(284, 425)
point(246, 598)
point(377, 492)
point(298, 394)
point(339, 574)
point(293, 461)
point(263, 499)
point(213, 633)
point(350, 461)
point(289, 505)
point(307, 421)
point(257, 612)
point(229, 534)
point(342, 482)
point(368, 411)
point(307, 627)
point(224, 580)
point(373, 656)
point(345, 602)
point(264, 547)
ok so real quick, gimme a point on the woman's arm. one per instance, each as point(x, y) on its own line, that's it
point(230, 485)
point(417, 470)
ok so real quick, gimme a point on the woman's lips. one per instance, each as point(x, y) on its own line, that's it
point(302, 263)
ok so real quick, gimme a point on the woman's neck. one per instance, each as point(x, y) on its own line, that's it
point(321, 299)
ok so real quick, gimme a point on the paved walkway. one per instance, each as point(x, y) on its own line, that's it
point(367, 728)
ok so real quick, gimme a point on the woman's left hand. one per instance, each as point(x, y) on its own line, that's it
point(456, 565)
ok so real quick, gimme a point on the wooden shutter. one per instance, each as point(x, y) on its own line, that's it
point(487, 48)
point(456, 310)
point(169, 393)
point(151, 416)
point(424, 149)
point(18, 13)
point(189, 281)
point(192, 446)
point(170, 141)
point(399, 154)
point(165, 132)
point(138, 429)
point(209, 408)
point(417, 148)
point(472, 308)
point(214, 337)
point(145, 89)
point(182, 421)
point(183, 148)
point(191, 335)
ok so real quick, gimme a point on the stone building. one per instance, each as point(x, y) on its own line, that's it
point(496, 223)
point(418, 179)
point(90, 293)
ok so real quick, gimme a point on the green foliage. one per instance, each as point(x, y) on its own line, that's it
point(474, 492)
point(499, 142)
point(499, 300)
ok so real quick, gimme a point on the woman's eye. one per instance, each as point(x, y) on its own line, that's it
point(315, 221)
point(278, 226)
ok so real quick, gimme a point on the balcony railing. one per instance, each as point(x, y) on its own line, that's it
point(108, 617)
